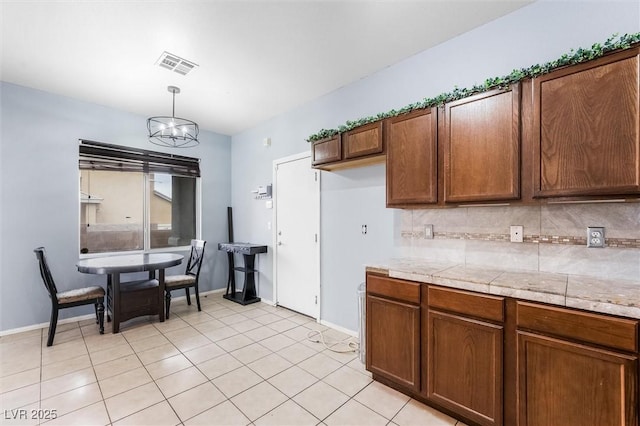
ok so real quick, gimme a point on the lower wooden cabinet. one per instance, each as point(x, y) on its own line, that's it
point(569, 384)
point(465, 365)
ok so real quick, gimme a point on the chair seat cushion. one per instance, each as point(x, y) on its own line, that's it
point(80, 294)
point(179, 280)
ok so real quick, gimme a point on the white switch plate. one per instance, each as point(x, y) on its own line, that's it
point(595, 236)
point(516, 233)
point(428, 232)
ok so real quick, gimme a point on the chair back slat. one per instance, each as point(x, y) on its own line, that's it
point(45, 273)
point(195, 257)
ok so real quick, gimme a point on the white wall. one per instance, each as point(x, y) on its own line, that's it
point(39, 195)
point(537, 33)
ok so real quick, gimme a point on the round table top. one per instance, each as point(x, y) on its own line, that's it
point(128, 263)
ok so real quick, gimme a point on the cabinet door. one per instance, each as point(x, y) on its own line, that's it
point(563, 383)
point(393, 341)
point(587, 128)
point(326, 151)
point(363, 141)
point(465, 366)
point(412, 172)
point(482, 147)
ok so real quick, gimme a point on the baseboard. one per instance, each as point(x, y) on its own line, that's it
point(339, 328)
point(84, 317)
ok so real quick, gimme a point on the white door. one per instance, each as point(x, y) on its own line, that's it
point(297, 218)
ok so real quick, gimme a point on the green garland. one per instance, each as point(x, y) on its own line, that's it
point(571, 58)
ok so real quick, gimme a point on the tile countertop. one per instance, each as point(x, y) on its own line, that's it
point(615, 297)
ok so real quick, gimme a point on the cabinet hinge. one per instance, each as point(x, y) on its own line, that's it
point(315, 176)
point(316, 300)
point(316, 237)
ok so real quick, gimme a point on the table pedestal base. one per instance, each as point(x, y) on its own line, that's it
point(237, 297)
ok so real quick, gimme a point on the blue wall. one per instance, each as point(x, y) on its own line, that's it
point(39, 194)
point(536, 33)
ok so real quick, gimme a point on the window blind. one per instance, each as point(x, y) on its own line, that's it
point(102, 156)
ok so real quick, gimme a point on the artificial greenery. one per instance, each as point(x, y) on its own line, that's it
point(571, 58)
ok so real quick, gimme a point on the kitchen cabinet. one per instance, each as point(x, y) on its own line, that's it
point(328, 150)
point(412, 158)
point(393, 330)
point(576, 368)
point(360, 146)
point(481, 146)
point(464, 353)
point(586, 128)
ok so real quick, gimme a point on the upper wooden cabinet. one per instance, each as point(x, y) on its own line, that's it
point(360, 146)
point(586, 128)
point(412, 158)
point(327, 150)
point(482, 147)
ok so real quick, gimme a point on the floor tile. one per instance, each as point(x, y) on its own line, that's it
point(197, 400)
point(18, 380)
point(260, 333)
point(61, 368)
point(237, 381)
point(172, 324)
point(297, 333)
point(218, 366)
point(181, 381)
point(251, 353)
point(269, 365)
point(132, 401)
point(204, 353)
point(282, 325)
point(110, 354)
point(19, 397)
point(320, 399)
point(235, 342)
point(140, 345)
point(277, 342)
point(267, 319)
point(211, 325)
point(100, 342)
point(246, 325)
point(168, 366)
point(20, 416)
point(115, 385)
point(258, 400)
point(91, 415)
point(233, 319)
point(287, 414)
point(159, 414)
point(354, 413)
point(347, 380)
point(73, 400)
point(320, 365)
point(341, 353)
point(117, 366)
point(67, 382)
point(382, 399)
point(416, 413)
point(144, 331)
point(296, 353)
point(292, 381)
point(220, 334)
point(156, 354)
point(224, 414)
point(192, 343)
point(62, 352)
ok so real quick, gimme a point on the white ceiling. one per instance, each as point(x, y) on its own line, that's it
point(256, 58)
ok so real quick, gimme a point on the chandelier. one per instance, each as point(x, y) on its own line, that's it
point(174, 132)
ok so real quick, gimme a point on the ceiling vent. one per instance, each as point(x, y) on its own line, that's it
point(175, 63)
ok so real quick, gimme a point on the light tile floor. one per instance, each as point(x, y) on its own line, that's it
point(226, 365)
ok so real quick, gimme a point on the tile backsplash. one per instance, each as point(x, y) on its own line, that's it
point(554, 237)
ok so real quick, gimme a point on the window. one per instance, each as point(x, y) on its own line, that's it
point(134, 199)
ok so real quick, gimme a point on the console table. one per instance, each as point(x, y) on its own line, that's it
point(248, 251)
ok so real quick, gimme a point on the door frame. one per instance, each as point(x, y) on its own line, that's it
point(274, 228)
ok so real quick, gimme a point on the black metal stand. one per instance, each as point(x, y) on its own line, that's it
point(248, 294)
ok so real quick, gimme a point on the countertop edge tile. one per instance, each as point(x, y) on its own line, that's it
point(604, 308)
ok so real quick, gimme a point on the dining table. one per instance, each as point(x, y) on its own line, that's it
point(131, 299)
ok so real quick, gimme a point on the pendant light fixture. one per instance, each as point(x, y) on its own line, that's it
point(174, 132)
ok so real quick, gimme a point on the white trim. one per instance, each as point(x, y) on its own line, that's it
point(274, 228)
point(268, 302)
point(339, 328)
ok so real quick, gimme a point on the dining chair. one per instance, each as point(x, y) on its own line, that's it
point(190, 277)
point(70, 298)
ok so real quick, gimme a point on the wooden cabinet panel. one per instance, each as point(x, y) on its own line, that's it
point(393, 288)
point(617, 333)
point(482, 147)
point(587, 128)
point(393, 341)
point(464, 302)
point(412, 158)
point(465, 366)
point(562, 383)
point(362, 141)
point(326, 151)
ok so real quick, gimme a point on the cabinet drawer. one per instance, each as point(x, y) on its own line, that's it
point(612, 332)
point(463, 302)
point(326, 150)
point(393, 288)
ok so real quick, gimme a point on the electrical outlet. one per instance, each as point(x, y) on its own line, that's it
point(428, 232)
point(516, 233)
point(595, 236)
